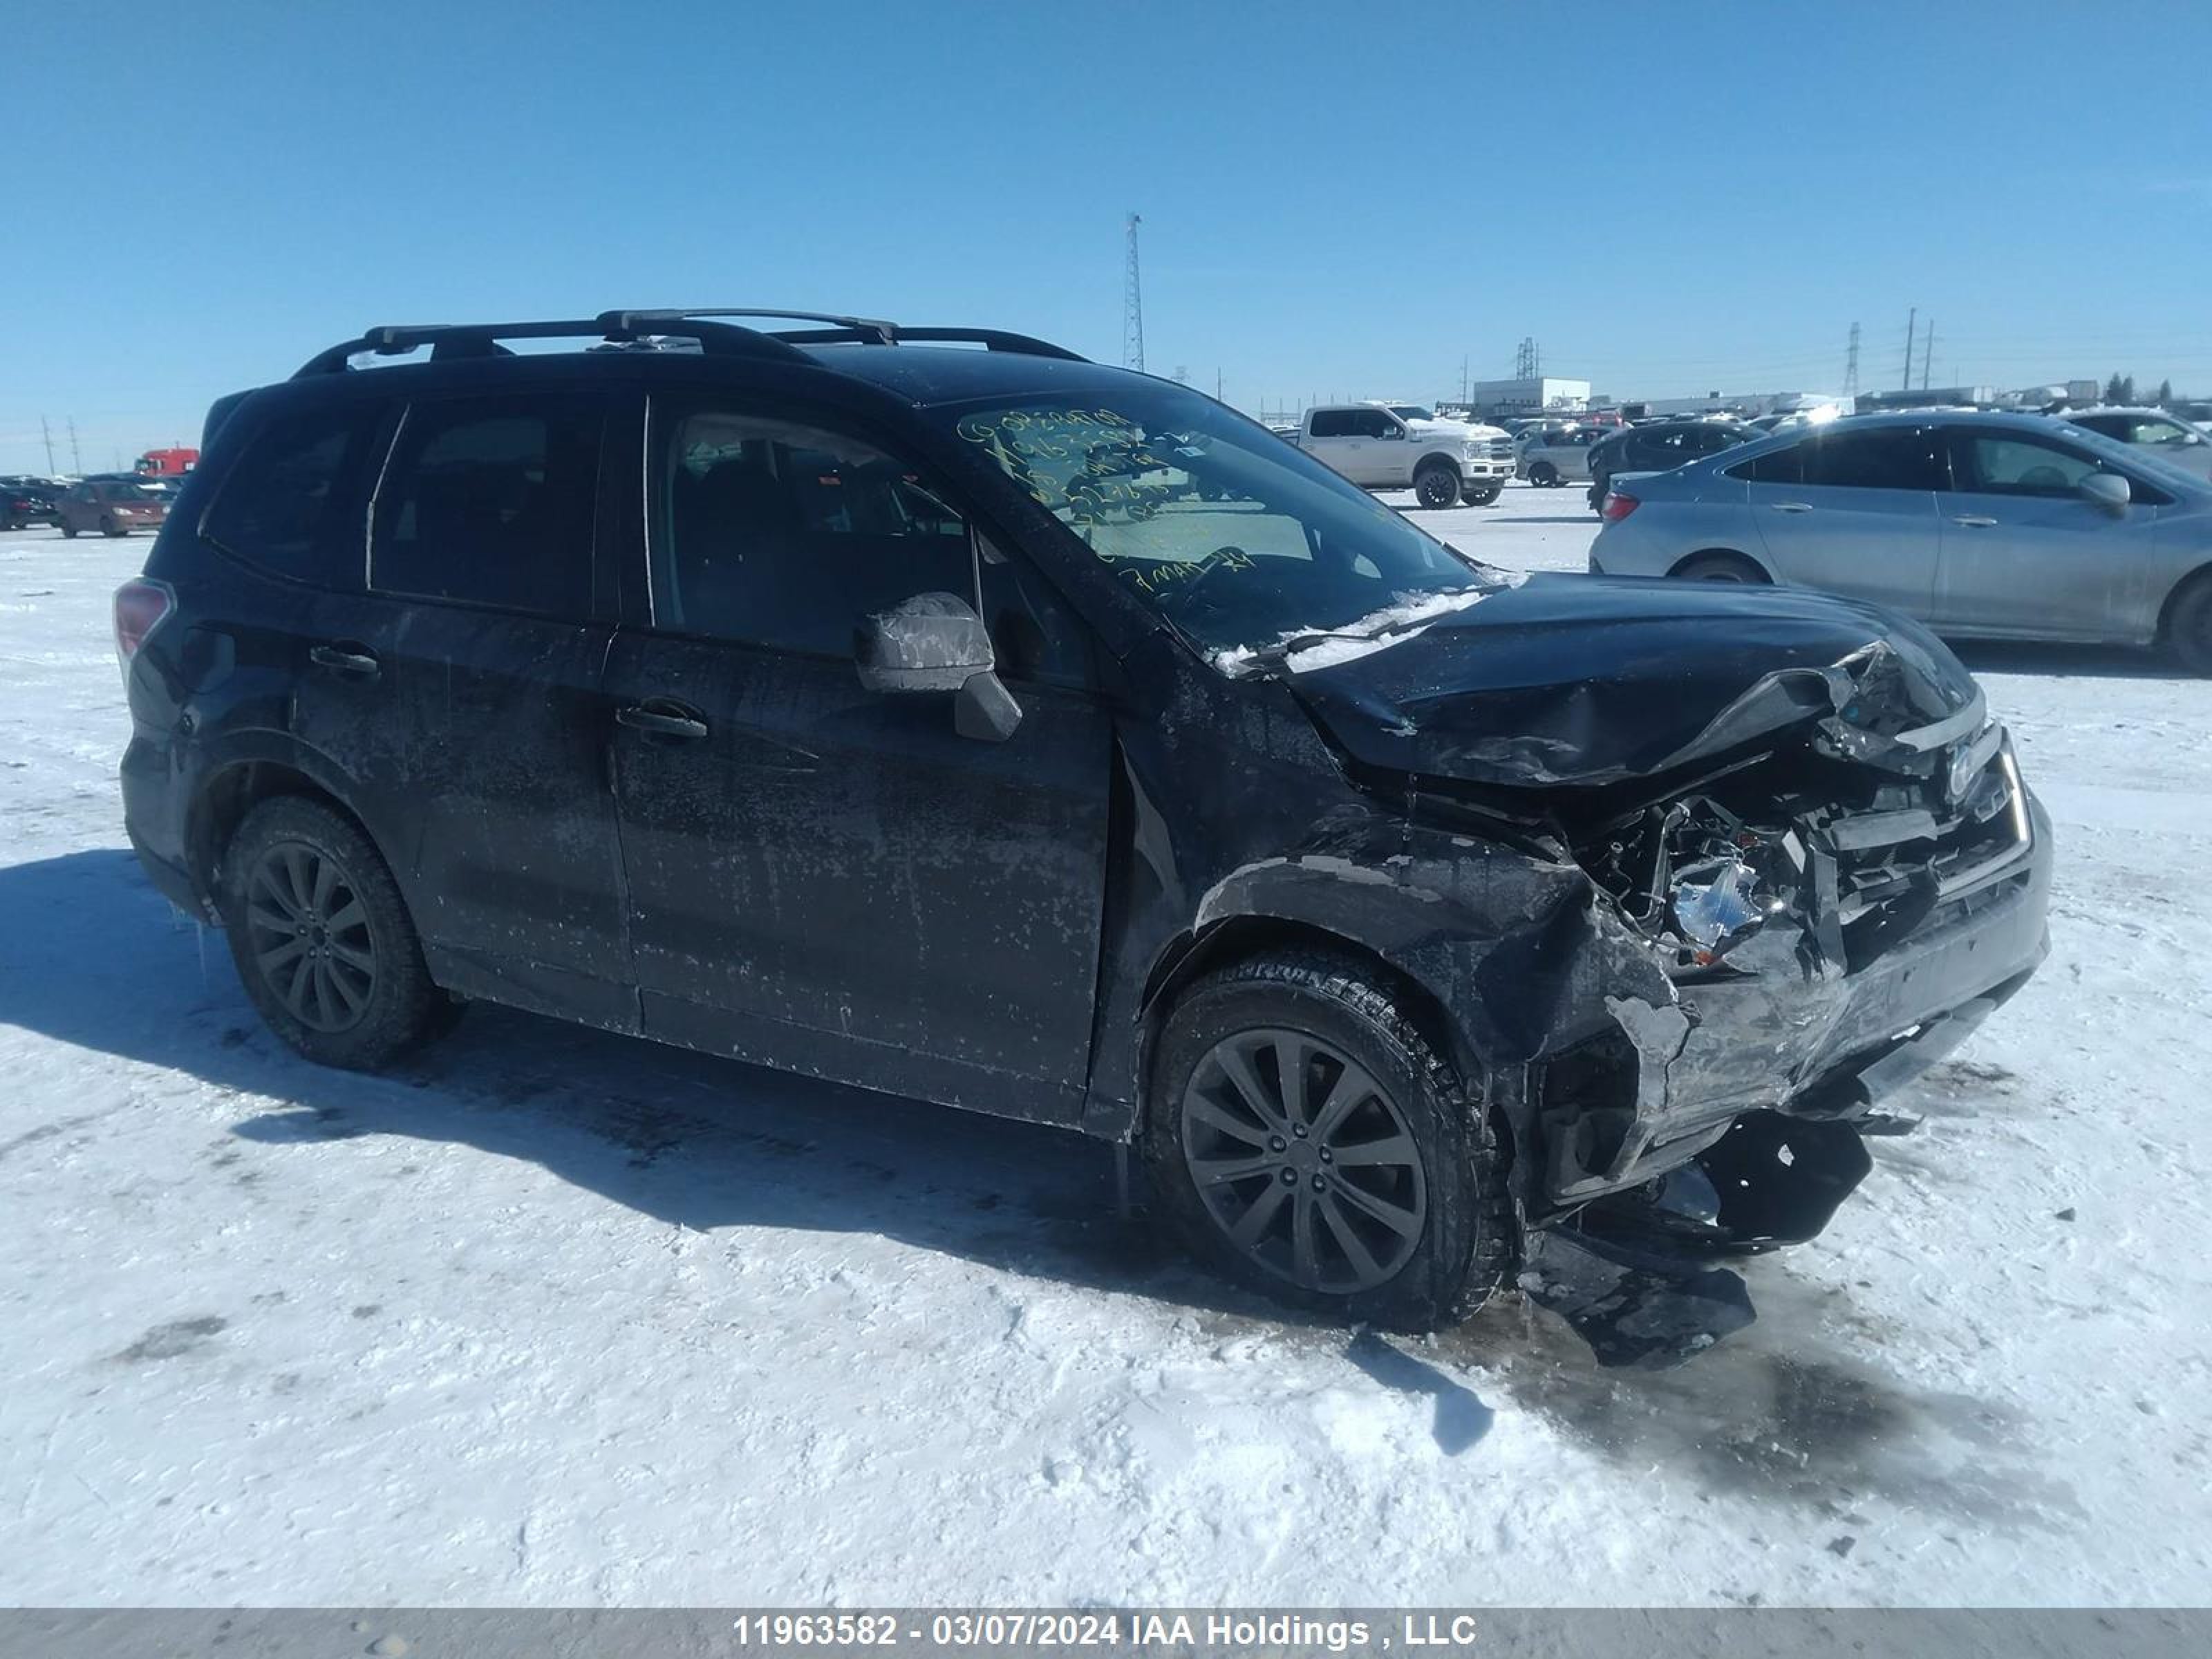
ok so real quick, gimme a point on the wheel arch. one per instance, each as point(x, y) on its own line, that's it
point(2187, 583)
point(1244, 936)
point(1753, 559)
point(241, 781)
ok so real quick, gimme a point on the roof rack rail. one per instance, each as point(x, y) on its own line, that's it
point(857, 330)
point(454, 340)
point(716, 336)
point(874, 330)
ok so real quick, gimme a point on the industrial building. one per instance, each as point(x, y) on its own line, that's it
point(1541, 394)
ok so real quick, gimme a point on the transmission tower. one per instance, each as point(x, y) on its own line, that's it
point(1927, 353)
point(1852, 362)
point(1527, 361)
point(1133, 308)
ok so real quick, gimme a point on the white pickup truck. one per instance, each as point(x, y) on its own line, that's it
point(1403, 446)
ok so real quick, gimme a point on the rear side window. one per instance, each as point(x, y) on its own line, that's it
point(489, 500)
point(1778, 466)
point(287, 503)
point(1887, 458)
point(1332, 423)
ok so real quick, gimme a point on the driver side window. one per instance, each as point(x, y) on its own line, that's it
point(773, 533)
point(2020, 466)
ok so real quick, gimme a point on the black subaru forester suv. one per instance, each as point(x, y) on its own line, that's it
point(936, 711)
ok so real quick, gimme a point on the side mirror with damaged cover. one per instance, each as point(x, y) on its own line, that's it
point(935, 642)
point(2108, 491)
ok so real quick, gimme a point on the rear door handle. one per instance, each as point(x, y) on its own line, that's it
point(1793, 506)
point(668, 719)
point(345, 657)
point(1975, 521)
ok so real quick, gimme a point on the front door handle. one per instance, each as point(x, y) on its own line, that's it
point(1793, 506)
point(667, 720)
point(345, 657)
point(1975, 521)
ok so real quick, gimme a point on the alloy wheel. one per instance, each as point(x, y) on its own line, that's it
point(310, 936)
point(1302, 1161)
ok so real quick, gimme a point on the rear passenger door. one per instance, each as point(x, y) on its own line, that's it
point(458, 684)
point(825, 877)
point(1853, 510)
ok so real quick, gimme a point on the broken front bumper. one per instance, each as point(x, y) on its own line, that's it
point(1787, 1029)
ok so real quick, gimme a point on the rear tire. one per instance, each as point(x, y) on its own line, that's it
point(1721, 568)
point(2188, 624)
point(1436, 487)
point(67, 530)
point(1544, 474)
point(322, 937)
point(1391, 1209)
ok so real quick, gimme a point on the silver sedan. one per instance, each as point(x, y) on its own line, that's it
point(1984, 526)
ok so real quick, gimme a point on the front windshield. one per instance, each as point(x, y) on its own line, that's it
point(1241, 542)
point(1412, 412)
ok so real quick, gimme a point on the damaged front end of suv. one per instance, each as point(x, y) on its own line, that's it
point(1775, 859)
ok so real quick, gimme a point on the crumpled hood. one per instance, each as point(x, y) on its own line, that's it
point(1578, 680)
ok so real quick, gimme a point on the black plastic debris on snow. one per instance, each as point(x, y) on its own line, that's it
point(1646, 1306)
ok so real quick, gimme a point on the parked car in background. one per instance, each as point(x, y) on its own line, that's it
point(1383, 446)
point(26, 501)
point(1657, 446)
point(1399, 914)
point(113, 507)
point(1559, 456)
point(2168, 437)
point(1983, 525)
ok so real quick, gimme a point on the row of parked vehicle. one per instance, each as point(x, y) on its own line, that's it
point(2084, 525)
point(108, 503)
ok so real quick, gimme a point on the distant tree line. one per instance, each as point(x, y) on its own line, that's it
point(2121, 389)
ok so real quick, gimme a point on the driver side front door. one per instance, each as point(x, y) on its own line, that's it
point(821, 877)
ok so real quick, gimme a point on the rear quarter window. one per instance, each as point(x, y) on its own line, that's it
point(292, 504)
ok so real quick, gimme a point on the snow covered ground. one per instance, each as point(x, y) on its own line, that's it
point(556, 1317)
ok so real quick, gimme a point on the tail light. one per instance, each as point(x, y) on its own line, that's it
point(141, 606)
point(1617, 506)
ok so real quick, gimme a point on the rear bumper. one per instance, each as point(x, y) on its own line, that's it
point(1787, 1038)
point(154, 818)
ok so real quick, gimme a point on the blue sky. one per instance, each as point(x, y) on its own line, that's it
point(1337, 199)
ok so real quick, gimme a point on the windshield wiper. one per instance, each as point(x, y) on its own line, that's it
point(1275, 655)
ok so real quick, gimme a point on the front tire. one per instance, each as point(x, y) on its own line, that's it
point(322, 937)
point(112, 530)
point(1486, 495)
point(1306, 1138)
point(2189, 625)
point(1544, 474)
point(1436, 487)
